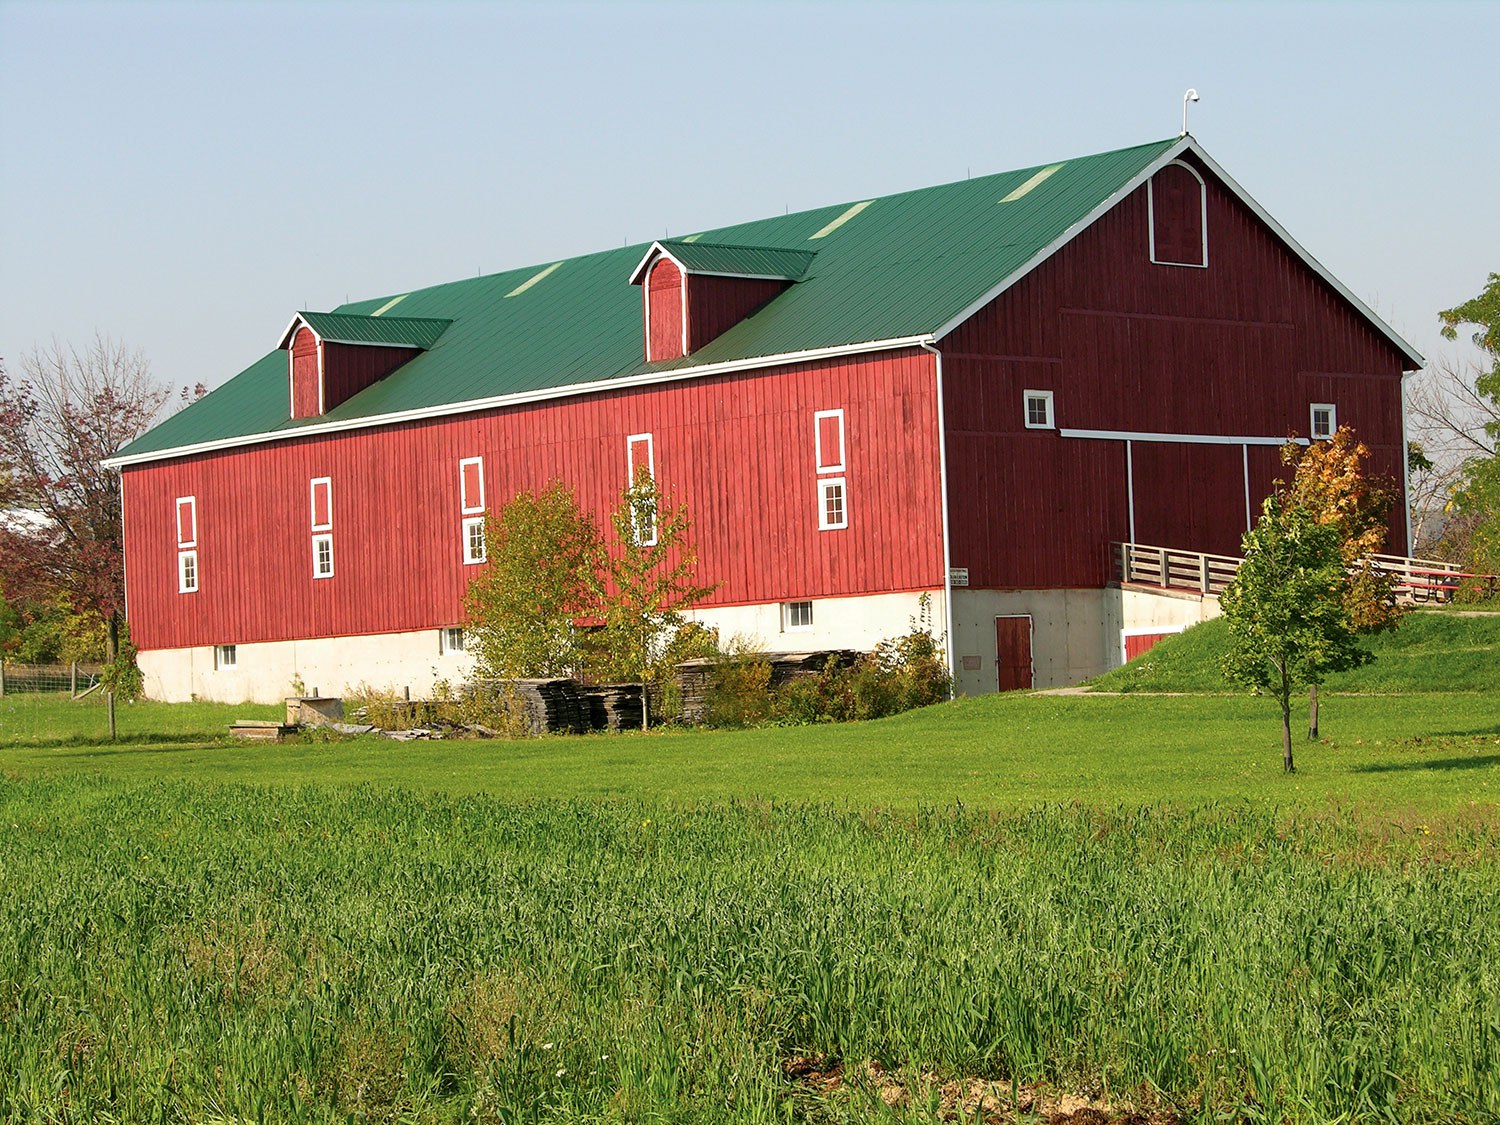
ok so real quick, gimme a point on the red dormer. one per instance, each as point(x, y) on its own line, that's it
point(334, 356)
point(694, 292)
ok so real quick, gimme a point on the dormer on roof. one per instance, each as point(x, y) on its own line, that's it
point(694, 292)
point(334, 356)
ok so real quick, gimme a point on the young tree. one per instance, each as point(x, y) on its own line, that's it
point(649, 580)
point(1332, 481)
point(1288, 622)
point(544, 557)
point(68, 411)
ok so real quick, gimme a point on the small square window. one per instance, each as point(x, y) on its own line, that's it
point(796, 617)
point(832, 513)
point(187, 572)
point(1325, 420)
point(474, 540)
point(451, 639)
point(322, 551)
point(226, 657)
point(1039, 410)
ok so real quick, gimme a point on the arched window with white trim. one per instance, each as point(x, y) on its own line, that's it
point(1177, 208)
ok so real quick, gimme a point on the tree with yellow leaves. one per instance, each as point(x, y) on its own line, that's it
point(1332, 482)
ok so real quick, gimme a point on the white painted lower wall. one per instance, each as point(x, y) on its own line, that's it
point(1076, 634)
point(855, 622)
point(269, 671)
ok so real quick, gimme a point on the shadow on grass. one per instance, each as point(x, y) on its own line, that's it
point(1476, 732)
point(1477, 762)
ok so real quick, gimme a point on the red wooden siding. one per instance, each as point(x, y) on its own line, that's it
point(734, 449)
point(664, 304)
point(187, 521)
point(350, 368)
point(1177, 216)
point(830, 442)
point(1239, 349)
point(717, 304)
point(304, 374)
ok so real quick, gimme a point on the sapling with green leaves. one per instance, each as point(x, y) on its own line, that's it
point(1289, 623)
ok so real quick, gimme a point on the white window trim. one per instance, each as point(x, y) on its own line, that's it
point(1046, 396)
point(312, 499)
point(786, 617)
point(183, 558)
point(445, 640)
point(226, 665)
point(467, 508)
point(818, 416)
point(1312, 420)
point(470, 559)
point(316, 539)
point(1202, 215)
point(630, 443)
point(191, 503)
point(825, 484)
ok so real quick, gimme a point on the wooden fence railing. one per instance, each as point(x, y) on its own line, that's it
point(1417, 580)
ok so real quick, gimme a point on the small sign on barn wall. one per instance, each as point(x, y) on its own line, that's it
point(958, 576)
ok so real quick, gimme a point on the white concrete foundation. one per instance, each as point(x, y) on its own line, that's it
point(269, 671)
point(1075, 634)
point(266, 672)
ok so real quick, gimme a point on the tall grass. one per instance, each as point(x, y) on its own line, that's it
point(178, 951)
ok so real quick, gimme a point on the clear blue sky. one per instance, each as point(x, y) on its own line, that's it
point(184, 176)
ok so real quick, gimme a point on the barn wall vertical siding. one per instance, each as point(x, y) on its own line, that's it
point(350, 368)
point(717, 304)
point(737, 450)
point(304, 388)
point(1241, 348)
point(664, 329)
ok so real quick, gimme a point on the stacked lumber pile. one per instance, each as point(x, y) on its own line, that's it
point(553, 706)
point(259, 730)
point(695, 677)
point(612, 707)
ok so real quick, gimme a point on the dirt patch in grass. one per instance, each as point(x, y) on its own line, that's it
point(974, 1099)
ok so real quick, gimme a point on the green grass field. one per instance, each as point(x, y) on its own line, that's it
point(950, 915)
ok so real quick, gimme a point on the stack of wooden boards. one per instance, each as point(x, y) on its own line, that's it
point(695, 677)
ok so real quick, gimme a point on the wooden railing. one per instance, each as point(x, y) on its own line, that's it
point(1143, 565)
point(1417, 580)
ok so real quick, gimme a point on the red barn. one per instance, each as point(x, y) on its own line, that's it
point(968, 392)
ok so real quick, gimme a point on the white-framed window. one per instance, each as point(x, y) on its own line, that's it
point(320, 496)
point(1325, 420)
point(640, 454)
point(226, 657)
point(187, 521)
point(828, 440)
point(796, 617)
point(474, 540)
point(451, 639)
point(833, 510)
point(471, 485)
point(187, 572)
point(1038, 410)
point(1177, 216)
point(322, 556)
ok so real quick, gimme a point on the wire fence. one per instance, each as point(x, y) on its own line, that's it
point(75, 679)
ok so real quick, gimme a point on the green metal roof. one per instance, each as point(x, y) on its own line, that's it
point(739, 261)
point(890, 268)
point(401, 331)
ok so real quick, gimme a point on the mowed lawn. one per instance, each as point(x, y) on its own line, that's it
point(1429, 752)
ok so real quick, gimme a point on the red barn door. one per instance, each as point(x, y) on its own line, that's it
point(1013, 652)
